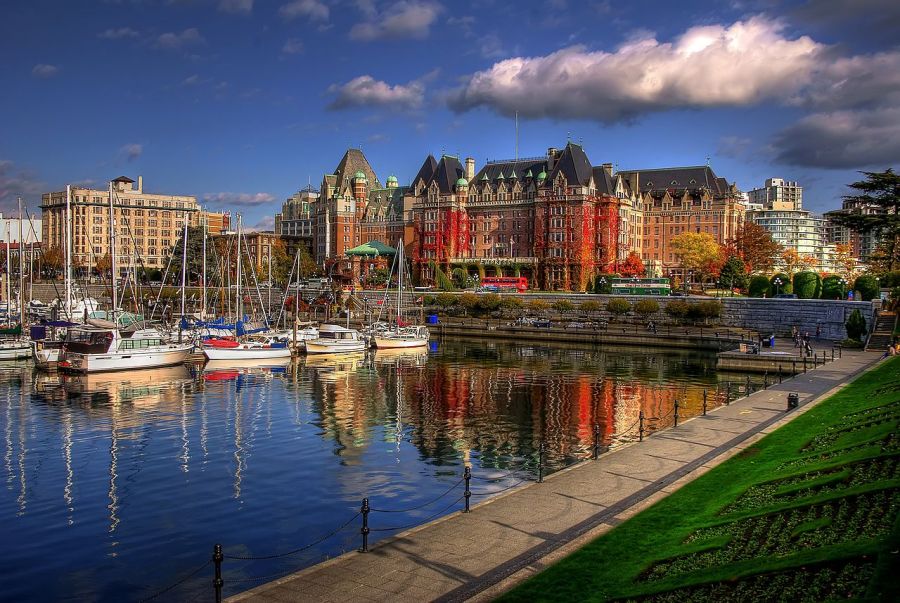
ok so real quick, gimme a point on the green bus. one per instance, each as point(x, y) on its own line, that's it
point(640, 286)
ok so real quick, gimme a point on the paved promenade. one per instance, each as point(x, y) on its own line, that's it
point(478, 555)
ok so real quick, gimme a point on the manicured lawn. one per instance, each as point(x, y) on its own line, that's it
point(809, 513)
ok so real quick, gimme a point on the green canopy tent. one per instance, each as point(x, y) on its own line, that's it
point(371, 249)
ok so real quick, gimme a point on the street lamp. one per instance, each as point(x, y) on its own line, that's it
point(843, 287)
point(777, 283)
point(602, 283)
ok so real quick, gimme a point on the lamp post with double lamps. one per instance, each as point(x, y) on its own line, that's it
point(777, 283)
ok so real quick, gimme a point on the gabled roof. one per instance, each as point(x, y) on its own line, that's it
point(426, 171)
point(354, 161)
point(124, 179)
point(384, 202)
point(604, 183)
point(676, 179)
point(521, 170)
point(574, 165)
point(448, 171)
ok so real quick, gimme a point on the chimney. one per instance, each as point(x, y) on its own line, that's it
point(552, 154)
point(608, 168)
point(470, 168)
point(140, 186)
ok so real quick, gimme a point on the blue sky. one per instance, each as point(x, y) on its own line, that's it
point(241, 102)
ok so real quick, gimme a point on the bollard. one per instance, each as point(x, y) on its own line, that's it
point(365, 527)
point(676, 412)
point(747, 389)
point(793, 367)
point(541, 462)
point(467, 474)
point(766, 380)
point(832, 354)
point(824, 360)
point(641, 426)
point(727, 392)
point(218, 582)
point(804, 364)
point(779, 374)
point(840, 351)
point(596, 441)
point(704, 402)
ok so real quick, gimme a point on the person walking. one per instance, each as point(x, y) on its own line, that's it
point(818, 332)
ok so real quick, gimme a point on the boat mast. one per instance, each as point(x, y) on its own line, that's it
point(8, 279)
point(21, 270)
point(203, 293)
point(183, 265)
point(238, 301)
point(112, 252)
point(68, 226)
point(399, 280)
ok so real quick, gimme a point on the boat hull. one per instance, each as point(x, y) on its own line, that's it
point(119, 361)
point(315, 346)
point(15, 351)
point(249, 353)
point(393, 343)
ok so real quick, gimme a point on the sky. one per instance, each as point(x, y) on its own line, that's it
point(244, 102)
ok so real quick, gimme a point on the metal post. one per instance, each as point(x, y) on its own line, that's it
point(218, 582)
point(704, 402)
point(840, 351)
point(727, 393)
point(467, 474)
point(747, 390)
point(766, 380)
point(832, 354)
point(804, 364)
point(676, 412)
point(779, 374)
point(596, 441)
point(641, 426)
point(793, 367)
point(365, 526)
point(541, 462)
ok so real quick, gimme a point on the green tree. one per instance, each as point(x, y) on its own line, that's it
point(603, 283)
point(733, 273)
point(563, 306)
point(807, 285)
point(646, 308)
point(469, 301)
point(488, 302)
point(856, 326)
point(879, 191)
point(867, 286)
point(697, 251)
point(590, 305)
point(618, 306)
point(780, 283)
point(832, 287)
point(445, 300)
point(759, 286)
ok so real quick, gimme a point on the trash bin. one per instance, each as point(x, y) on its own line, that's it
point(432, 319)
point(793, 400)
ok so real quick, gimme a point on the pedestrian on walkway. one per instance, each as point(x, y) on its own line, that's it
point(818, 332)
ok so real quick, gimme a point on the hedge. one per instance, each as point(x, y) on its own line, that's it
point(807, 285)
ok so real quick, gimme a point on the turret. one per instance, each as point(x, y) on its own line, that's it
point(392, 182)
point(360, 183)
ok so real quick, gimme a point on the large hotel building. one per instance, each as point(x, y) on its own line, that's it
point(556, 219)
point(148, 225)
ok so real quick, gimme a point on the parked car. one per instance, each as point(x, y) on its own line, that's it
point(786, 296)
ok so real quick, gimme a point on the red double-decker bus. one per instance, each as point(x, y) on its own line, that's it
point(509, 284)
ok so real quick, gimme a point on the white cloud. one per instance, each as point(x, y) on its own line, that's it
point(246, 199)
point(236, 6)
point(44, 71)
point(707, 66)
point(118, 33)
point(131, 151)
point(366, 91)
point(267, 223)
point(191, 80)
point(292, 46)
point(177, 41)
point(843, 139)
point(314, 10)
point(404, 19)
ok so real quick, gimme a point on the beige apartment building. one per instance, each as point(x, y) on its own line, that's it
point(148, 225)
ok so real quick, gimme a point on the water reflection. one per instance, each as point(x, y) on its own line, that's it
point(127, 479)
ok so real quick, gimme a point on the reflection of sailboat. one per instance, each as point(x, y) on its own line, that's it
point(126, 386)
point(248, 365)
point(332, 366)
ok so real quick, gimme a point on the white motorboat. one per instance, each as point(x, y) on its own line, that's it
point(91, 349)
point(14, 349)
point(257, 347)
point(335, 339)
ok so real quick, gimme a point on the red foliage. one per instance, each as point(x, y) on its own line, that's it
point(633, 266)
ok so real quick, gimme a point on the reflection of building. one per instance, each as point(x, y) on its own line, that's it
point(147, 224)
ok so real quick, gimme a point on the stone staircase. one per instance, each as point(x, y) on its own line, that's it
point(882, 335)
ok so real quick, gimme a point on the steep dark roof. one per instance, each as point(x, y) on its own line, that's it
point(354, 161)
point(676, 178)
point(385, 202)
point(124, 179)
point(507, 168)
point(574, 164)
point(426, 171)
point(604, 183)
point(448, 171)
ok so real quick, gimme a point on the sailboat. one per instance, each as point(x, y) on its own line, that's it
point(101, 346)
point(401, 334)
point(12, 345)
point(258, 347)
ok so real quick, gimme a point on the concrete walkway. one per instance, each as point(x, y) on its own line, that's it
point(478, 555)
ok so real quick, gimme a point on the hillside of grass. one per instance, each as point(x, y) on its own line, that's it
point(809, 513)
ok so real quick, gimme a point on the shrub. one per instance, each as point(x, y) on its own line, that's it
point(832, 288)
point(646, 307)
point(511, 303)
point(785, 287)
point(618, 306)
point(591, 305)
point(890, 279)
point(759, 286)
point(563, 305)
point(856, 326)
point(488, 302)
point(807, 285)
point(704, 310)
point(445, 300)
point(677, 309)
point(429, 300)
point(469, 301)
point(867, 286)
point(538, 305)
